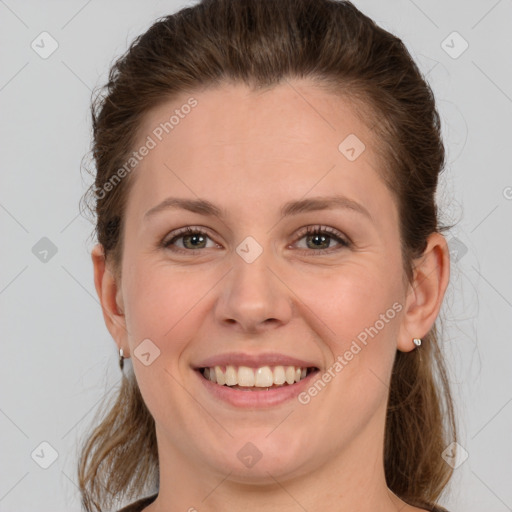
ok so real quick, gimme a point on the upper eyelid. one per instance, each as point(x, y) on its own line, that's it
point(180, 232)
point(320, 228)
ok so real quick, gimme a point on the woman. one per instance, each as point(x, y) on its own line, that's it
point(269, 258)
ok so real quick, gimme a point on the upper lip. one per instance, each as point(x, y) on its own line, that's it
point(254, 360)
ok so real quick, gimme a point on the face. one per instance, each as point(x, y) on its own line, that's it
point(270, 276)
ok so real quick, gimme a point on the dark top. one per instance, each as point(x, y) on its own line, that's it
point(138, 506)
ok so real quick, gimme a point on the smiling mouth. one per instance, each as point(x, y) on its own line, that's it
point(245, 378)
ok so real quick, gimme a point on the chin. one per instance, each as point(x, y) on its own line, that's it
point(261, 458)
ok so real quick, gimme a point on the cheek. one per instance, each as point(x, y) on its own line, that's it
point(165, 307)
point(351, 299)
point(362, 308)
point(160, 300)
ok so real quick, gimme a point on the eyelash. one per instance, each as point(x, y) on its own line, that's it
point(309, 230)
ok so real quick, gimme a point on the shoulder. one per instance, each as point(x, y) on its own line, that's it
point(140, 504)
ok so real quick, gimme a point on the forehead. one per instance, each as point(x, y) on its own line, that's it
point(233, 115)
point(235, 143)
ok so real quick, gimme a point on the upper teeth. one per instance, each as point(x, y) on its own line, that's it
point(262, 377)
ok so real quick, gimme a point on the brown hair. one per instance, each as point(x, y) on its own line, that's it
point(262, 43)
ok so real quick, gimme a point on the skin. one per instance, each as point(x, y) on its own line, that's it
point(250, 153)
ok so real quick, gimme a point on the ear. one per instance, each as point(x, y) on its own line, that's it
point(425, 295)
point(109, 293)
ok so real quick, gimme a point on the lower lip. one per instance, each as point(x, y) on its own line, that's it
point(256, 399)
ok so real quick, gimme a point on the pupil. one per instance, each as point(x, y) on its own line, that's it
point(319, 237)
point(195, 238)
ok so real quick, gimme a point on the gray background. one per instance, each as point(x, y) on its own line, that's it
point(57, 358)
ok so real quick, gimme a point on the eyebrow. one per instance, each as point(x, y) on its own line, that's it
point(204, 207)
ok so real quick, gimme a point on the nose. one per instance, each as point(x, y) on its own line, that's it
point(253, 296)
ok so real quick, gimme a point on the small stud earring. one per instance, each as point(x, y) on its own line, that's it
point(121, 359)
point(417, 342)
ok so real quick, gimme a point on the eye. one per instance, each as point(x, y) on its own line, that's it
point(320, 238)
point(192, 238)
